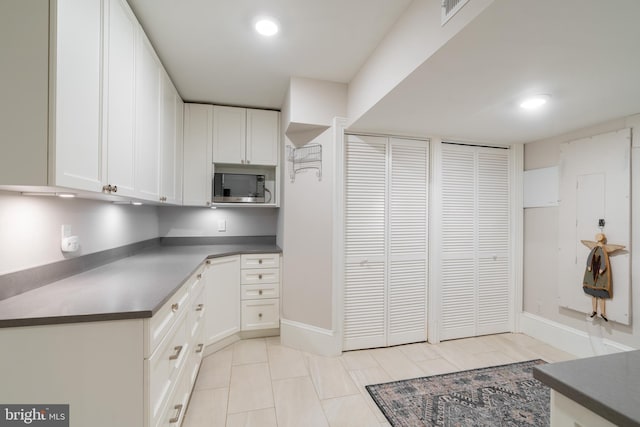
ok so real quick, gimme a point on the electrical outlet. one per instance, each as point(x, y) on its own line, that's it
point(601, 222)
point(222, 225)
point(68, 243)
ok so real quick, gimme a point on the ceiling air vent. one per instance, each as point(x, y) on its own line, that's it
point(450, 8)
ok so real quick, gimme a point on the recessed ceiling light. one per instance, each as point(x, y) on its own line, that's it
point(534, 102)
point(266, 27)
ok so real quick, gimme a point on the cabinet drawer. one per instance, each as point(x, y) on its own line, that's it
point(260, 314)
point(174, 411)
point(259, 275)
point(164, 366)
point(195, 316)
point(264, 291)
point(162, 322)
point(197, 350)
point(260, 261)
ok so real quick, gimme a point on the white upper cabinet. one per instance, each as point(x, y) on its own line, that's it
point(198, 128)
point(245, 136)
point(171, 144)
point(51, 93)
point(147, 117)
point(229, 134)
point(89, 114)
point(119, 82)
point(77, 137)
point(262, 137)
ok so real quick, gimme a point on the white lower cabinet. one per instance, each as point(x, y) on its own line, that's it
point(172, 366)
point(260, 291)
point(222, 297)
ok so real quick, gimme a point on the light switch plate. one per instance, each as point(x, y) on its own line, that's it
point(222, 225)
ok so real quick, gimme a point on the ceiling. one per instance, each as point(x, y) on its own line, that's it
point(584, 53)
point(213, 55)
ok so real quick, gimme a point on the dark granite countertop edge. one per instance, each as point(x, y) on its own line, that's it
point(135, 314)
point(82, 318)
point(594, 405)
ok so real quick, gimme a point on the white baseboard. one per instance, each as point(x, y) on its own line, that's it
point(309, 338)
point(566, 338)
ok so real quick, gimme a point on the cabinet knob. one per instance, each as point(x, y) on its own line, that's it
point(200, 347)
point(259, 261)
point(260, 315)
point(260, 292)
point(177, 417)
point(199, 276)
point(248, 162)
point(259, 276)
point(175, 355)
point(199, 307)
point(242, 161)
point(208, 262)
point(175, 307)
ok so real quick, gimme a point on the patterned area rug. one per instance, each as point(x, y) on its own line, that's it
point(505, 395)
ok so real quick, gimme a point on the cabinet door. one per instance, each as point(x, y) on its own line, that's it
point(262, 137)
point(120, 43)
point(197, 167)
point(77, 143)
point(229, 135)
point(147, 156)
point(170, 153)
point(222, 298)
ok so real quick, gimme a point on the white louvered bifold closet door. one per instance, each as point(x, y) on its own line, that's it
point(386, 194)
point(475, 226)
point(364, 242)
point(408, 196)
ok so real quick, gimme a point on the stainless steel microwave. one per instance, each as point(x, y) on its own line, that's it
point(238, 188)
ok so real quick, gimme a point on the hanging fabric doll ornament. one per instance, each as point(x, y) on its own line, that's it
point(597, 276)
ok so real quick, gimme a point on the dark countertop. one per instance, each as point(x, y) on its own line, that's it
point(129, 288)
point(607, 385)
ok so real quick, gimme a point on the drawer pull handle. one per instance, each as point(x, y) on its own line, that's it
point(259, 261)
point(200, 347)
point(177, 417)
point(175, 307)
point(199, 307)
point(178, 350)
point(260, 292)
point(260, 315)
point(199, 276)
point(260, 276)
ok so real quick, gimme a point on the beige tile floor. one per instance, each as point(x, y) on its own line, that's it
point(261, 383)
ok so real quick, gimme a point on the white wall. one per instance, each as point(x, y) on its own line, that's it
point(30, 228)
point(178, 221)
point(541, 245)
point(416, 36)
point(307, 242)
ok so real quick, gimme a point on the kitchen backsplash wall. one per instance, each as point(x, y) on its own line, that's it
point(176, 221)
point(30, 228)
